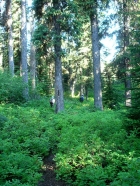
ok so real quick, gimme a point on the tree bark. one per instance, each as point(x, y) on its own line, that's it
point(24, 68)
point(126, 59)
point(96, 61)
point(58, 67)
point(32, 58)
point(72, 87)
point(1, 60)
point(10, 39)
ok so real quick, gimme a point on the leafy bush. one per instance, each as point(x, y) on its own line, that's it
point(93, 148)
point(15, 182)
point(91, 176)
point(11, 88)
point(3, 119)
point(21, 167)
point(131, 176)
point(26, 138)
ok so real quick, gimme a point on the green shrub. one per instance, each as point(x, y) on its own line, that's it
point(3, 119)
point(93, 147)
point(15, 182)
point(21, 167)
point(26, 138)
point(91, 176)
point(11, 88)
point(131, 176)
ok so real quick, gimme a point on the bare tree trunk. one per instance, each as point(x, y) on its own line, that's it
point(10, 40)
point(126, 59)
point(59, 98)
point(32, 59)
point(96, 61)
point(33, 67)
point(24, 68)
point(1, 60)
point(72, 86)
point(72, 79)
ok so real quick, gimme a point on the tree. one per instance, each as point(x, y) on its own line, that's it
point(6, 22)
point(90, 8)
point(10, 34)
point(125, 51)
point(77, 67)
point(16, 14)
point(32, 55)
point(1, 47)
point(134, 49)
point(58, 67)
point(55, 18)
point(96, 59)
point(126, 17)
point(24, 68)
point(53, 29)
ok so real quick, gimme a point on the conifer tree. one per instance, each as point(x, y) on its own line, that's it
point(16, 14)
point(124, 62)
point(134, 49)
point(10, 38)
point(55, 19)
point(6, 21)
point(32, 54)
point(90, 9)
point(58, 67)
point(24, 67)
point(126, 57)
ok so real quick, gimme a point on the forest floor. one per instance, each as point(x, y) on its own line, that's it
point(49, 176)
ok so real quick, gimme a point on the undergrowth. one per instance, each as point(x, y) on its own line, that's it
point(91, 147)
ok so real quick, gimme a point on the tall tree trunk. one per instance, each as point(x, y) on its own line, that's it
point(32, 58)
point(96, 60)
point(59, 98)
point(1, 60)
point(10, 39)
point(126, 59)
point(24, 68)
point(33, 66)
point(72, 87)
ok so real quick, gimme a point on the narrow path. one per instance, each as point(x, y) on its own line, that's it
point(49, 175)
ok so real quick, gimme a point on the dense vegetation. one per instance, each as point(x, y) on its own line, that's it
point(56, 53)
point(90, 147)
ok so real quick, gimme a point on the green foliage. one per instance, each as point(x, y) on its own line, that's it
point(134, 111)
point(14, 182)
point(18, 165)
point(88, 6)
point(37, 6)
point(10, 88)
point(131, 176)
point(113, 89)
point(113, 94)
point(91, 176)
point(25, 139)
point(3, 119)
point(91, 148)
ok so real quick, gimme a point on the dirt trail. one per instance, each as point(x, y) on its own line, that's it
point(49, 176)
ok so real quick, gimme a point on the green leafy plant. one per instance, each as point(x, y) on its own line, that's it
point(131, 176)
point(10, 88)
point(91, 148)
point(25, 140)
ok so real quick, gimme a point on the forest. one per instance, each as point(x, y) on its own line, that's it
point(61, 95)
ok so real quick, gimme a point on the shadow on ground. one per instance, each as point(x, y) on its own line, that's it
point(49, 176)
